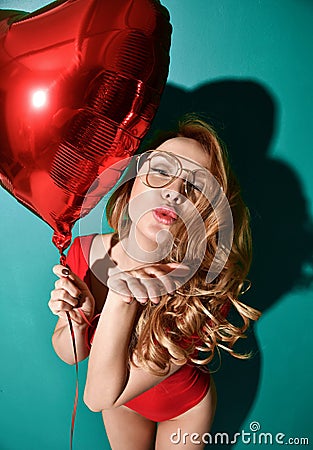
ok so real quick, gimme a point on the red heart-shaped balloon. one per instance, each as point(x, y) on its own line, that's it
point(80, 84)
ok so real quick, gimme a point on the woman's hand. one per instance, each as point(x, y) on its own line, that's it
point(148, 283)
point(70, 294)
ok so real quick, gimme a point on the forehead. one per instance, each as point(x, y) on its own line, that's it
point(187, 148)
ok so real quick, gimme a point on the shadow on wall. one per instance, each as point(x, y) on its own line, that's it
point(244, 113)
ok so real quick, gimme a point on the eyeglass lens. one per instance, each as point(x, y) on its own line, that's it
point(162, 169)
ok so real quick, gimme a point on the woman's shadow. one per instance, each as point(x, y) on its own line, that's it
point(244, 115)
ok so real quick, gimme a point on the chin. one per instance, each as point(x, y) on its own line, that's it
point(151, 230)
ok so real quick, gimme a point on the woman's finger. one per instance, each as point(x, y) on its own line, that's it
point(57, 306)
point(177, 269)
point(119, 286)
point(64, 296)
point(155, 273)
point(168, 283)
point(176, 276)
point(181, 270)
point(61, 271)
point(65, 272)
point(69, 286)
point(153, 288)
point(171, 271)
point(137, 289)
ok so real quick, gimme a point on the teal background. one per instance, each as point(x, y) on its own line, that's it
point(265, 43)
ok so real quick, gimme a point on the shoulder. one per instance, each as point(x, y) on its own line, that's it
point(78, 254)
point(99, 264)
point(80, 247)
point(100, 246)
point(100, 261)
point(105, 239)
point(90, 248)
point(98, 243)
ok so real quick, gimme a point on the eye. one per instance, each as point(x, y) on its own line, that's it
point(162, 172)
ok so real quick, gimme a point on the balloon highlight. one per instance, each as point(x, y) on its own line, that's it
point(80, 83)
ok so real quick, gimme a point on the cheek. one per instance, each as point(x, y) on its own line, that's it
point(142, 200)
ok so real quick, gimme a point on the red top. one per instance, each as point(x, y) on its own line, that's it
point(174, 395)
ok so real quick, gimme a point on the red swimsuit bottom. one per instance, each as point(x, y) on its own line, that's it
point(171, 397)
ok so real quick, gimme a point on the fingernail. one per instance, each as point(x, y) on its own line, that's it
point(65, 272)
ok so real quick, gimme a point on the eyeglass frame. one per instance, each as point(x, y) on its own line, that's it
point(179, 172)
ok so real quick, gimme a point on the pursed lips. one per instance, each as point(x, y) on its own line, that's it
point(167, 216)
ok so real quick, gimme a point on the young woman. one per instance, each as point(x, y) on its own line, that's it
point(160, 313)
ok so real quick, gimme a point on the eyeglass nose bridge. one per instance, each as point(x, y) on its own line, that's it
point(189, 179)
point(190, 175)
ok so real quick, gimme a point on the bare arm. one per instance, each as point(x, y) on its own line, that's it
point(110, 383)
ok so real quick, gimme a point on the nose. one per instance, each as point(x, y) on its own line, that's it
point(174, 192)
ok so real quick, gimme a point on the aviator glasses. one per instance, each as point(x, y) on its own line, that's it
point(158, 169)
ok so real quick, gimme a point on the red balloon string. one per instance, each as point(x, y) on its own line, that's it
point(76, 389)
point(63, 262)
point(76, 368)
point(92, 325)
point(74, 411)
point(81, 312)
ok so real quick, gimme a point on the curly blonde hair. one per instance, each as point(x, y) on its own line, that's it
point(195, 318)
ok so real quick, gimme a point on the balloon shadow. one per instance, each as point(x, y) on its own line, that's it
point(244, 113)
